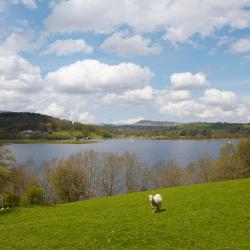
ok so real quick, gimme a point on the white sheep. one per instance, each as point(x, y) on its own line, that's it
point(155, 201)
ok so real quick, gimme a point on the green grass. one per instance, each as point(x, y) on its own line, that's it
point(208, 216)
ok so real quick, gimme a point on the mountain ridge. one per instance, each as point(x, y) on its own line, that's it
point(152, 123)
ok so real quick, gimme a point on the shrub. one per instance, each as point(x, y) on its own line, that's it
point(243, 154)
point(33, 196)
point(11, 199)
point(69, 181)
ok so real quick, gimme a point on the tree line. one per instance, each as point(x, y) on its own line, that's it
point(185, 131)
point(91, 174)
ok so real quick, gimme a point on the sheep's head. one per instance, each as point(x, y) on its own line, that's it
point(150, 197)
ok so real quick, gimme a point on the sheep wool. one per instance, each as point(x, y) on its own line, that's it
point(155, 201)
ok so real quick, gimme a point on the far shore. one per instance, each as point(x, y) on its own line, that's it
point(44, 141)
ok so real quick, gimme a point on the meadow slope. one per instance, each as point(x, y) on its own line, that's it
point(207, 216)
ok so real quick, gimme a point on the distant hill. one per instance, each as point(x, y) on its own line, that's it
point(150, 123)
point(25, 125)
point(3, 111)
point(172, 130)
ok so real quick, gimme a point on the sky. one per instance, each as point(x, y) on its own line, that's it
point(120, 61)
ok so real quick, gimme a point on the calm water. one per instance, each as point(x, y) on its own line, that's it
point(148, 151)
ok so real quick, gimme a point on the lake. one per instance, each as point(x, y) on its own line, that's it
point(147, 151)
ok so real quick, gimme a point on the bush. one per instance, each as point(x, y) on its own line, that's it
point(69, 181)
point(243, 154)
point(11, 199)
point(33, 196)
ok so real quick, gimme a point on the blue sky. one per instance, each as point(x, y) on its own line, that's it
point(117, 61)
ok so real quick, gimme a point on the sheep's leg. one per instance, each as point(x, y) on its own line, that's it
point(158, 207)
point(153, 208)
point(152, 205)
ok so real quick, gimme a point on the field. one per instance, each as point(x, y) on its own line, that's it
point(207, 216)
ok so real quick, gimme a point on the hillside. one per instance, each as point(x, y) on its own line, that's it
point(23, 125)
point(208, 216)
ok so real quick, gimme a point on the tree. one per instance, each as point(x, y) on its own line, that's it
point(131, 172)
point(110, 174)
point(4, 178)
point(243, 154)
point(33, 196)
point(6, 159)
point(191, 175)
point(69, 181)
point(167, 175)
point(21, 177)
point(11, 200)
point(45, 173)
point(206, 166)
point(91, 163)
point(228, 165)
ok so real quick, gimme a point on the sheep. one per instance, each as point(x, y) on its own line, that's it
point(155, 201)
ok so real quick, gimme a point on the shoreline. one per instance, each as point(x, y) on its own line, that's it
point(44, 141)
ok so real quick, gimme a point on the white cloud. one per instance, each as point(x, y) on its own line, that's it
point(19, 79)
point(63, 105)
point(18, 74)
point(136, 96)
point(195, 110)
point(68, 46)
point(241, 46)
point(218, 113)
point(179, 19)
point(123, 45)
point(27, 3)
point(128, 121)
point(184, 108)
point(172, 95)
point(85, 117)
point(174, 102)
point(13, 100)
point(15, 71)
point(188, 80)
point(54, 110)
point(91, 75)
point(214, 105)
point(15, 43)
point(215, 97)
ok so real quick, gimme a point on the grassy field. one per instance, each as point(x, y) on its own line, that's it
point(208, 216)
